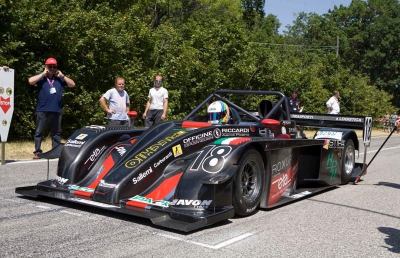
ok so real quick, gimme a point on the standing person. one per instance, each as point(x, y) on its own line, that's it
point(333, 103)
point(294, 103)
point(115, 102)
point(157, 104)
point(51, 83)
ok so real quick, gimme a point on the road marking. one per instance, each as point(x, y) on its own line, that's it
point(43, 207)
point(215, 247)
point(383, 149)
point(30, 161)
point(232, 240)
point(72, 213)
point(379, 137)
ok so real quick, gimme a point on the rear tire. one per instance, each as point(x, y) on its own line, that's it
point(248, 183)
point(348, 161)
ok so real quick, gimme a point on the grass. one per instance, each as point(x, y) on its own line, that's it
point(23, 150)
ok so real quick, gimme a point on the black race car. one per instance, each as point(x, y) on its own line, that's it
point(190, 174)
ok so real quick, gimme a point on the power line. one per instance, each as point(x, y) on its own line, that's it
point(308, 47)
point(289, 45)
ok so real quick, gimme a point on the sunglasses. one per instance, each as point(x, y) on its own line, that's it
point(52, 66)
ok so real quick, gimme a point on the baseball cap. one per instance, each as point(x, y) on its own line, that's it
point(51, 61)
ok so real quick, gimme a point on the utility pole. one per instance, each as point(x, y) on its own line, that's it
point(337, 46)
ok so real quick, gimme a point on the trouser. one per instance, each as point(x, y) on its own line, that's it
point(45, 122)
point(153, 117)
point(118, 122)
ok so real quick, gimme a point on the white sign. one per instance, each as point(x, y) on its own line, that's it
point(367, 130)
point(329, 135)
point(6, 101)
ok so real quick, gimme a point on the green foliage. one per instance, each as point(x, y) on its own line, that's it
point(199, 46)
point(253, 10)
point(369, 33)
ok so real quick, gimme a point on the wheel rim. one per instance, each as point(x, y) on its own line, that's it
point(349, 160)
point(249, 181)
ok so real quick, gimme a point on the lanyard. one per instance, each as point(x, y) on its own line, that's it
point(51, 82)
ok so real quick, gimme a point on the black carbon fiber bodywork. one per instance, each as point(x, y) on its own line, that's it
point(181, 174)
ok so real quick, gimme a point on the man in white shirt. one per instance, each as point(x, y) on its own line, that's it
point(157, 105)
point(333, 103)
point(115, 102)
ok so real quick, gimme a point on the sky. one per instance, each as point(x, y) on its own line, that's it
point(287, 10)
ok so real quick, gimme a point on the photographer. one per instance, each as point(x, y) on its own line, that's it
point(51, 83)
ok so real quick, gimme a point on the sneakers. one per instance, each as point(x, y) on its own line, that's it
point(36, 155)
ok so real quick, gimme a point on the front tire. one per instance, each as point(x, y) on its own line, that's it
point(248, 183)
point(348, 161)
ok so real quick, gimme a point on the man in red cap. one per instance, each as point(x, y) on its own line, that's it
point(51, 83)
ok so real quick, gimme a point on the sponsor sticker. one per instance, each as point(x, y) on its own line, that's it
point(106, 185)
point(121, 150)
point(195, 203)
point(282, 181)
point(81, 136)
point(95, 154)
point(147, 152)
point(299, 195)
point(199, 138)
point(236, 131)
point(142, 175)
point(217, 133)
point(329, 134)
point(281, 165)
point(98, 127)
point(177, 150)
point(158, 163)
point(74, 143)
point(61, 180)
point(301, 116)
point(349, 119)
point(150, 201)
point(79, 188)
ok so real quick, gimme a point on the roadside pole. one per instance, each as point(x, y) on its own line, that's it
point(3, 153)
point(6, 106)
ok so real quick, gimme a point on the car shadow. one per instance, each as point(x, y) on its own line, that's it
point(388, 184)
point(392, 238)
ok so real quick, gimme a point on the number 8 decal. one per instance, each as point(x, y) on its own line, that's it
point(212, 158)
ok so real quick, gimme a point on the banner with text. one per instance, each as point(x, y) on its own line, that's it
point(6, 101)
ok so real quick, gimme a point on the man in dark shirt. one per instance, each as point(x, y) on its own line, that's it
point(51, 83)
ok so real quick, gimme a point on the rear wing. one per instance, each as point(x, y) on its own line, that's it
point(336, 121)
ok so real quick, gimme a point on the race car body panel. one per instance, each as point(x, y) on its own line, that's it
point(184, 175)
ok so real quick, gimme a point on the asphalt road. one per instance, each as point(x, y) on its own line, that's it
point(350, 221)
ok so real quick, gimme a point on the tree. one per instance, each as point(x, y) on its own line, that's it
point(253, 10)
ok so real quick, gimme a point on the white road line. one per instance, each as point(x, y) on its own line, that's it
point(232, 240)
point(43, 207)
point(380, 137)
point(72, 213)
point(217, 246)
point(30, 161)
point(383, 149)
point(63, 211)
